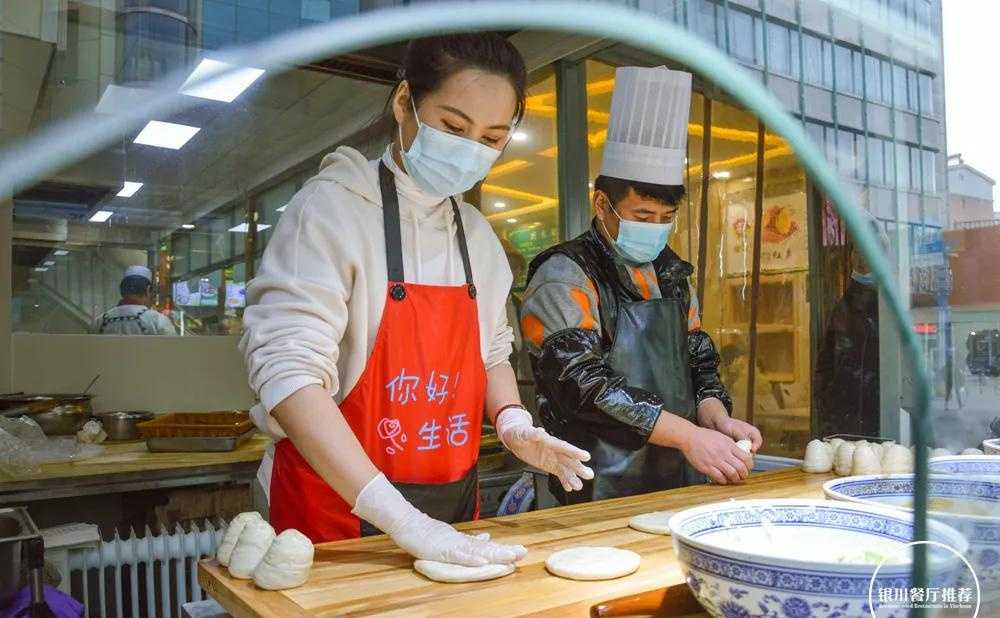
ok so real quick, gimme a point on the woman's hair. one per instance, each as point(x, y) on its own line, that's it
point(430, 61)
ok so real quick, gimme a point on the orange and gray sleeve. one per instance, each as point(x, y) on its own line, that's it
point(559, 297)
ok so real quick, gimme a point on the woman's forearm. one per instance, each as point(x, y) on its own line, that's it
point(317, 428)
point(501, 390)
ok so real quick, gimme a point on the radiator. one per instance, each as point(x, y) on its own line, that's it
point(143, 577)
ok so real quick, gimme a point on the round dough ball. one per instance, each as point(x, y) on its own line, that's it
point(592, 563)
point(457, 574)
point(843, 459)
point(745, 445)
point(878, 449)
point(233, 534)
point(818, 457)
point(253, 543)
point(940, 452)
point(835, 443)
point(972, 451)
point(866, 461)
point(286, 563)
point(897, 460)
point(653, 523)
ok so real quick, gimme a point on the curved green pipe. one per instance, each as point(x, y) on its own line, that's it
point(60, 144)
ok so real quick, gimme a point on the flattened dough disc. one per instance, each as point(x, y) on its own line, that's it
point(457, 574)
point(592, 563)
point(653, 523)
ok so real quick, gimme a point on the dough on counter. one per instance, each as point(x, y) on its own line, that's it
point(878, 449)
point(843, 459)
point(897, 460)
point(233, 534)
point(92, 432)
point(940, 452)
point(745, 445)
point(253, 543)
point(592, 563)
point(653, 523)
point(818, 457)
point(457, 574)
point(286, 563)
point(835, 444)
point(971, 451)
point(865, 461)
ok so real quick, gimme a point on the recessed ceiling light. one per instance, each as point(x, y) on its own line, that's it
point(519, 136)
point(48, 263)
point(41, 269)
point(281, 209)
point(721, 175)
point(243, 228)
point(187, 226)
point(60, 252)
point(118, 99)
point(590, 184)
point(512, 220)
point(165, 134)
point(129, 189)
point(499, 204)
point(223, 88)
point(101, 216)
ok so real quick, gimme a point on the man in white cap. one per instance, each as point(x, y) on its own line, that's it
point(134, 315)
point(622, 367)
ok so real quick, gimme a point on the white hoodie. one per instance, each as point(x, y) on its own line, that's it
point(315, 306)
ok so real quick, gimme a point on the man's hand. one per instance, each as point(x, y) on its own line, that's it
point(712, 415)
point(715, 455)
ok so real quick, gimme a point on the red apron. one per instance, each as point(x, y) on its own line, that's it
point(417, 409)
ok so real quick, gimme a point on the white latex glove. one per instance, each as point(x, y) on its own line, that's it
point(533, 445)
point(381, 504)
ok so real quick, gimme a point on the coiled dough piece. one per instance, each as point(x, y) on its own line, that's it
point(843, 459)
point(818, 457)
point(253, 543)
point(233, 534)
point(286, 563)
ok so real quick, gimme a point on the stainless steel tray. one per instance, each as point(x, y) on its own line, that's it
point(202, 444)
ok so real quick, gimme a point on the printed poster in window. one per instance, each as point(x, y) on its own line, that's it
point(784, 243)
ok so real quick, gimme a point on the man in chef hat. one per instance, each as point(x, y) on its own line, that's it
point(134, 315)
point(622, 367)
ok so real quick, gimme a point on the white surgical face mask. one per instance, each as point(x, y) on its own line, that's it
point(640, 242)
point(443, 164)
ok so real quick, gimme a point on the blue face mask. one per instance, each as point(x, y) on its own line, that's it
point(863, 278)
point(639, 242)
point(443, 164)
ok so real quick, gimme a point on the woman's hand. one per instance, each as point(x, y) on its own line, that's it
point(712, 415)
point(534, 446)
point(381, 504)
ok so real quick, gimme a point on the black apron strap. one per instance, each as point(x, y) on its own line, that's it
point(463, 248)
point(390, 222)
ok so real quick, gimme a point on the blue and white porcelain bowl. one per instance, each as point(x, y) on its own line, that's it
point(991, 446)
point(969, 505)
point(966, 465)
point(799, 558)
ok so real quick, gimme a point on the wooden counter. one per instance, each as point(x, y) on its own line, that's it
point(128, 466)
point(370, 577)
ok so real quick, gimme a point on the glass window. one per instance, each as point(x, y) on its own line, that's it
point(705, 21)
point(779, 56)
point(520, 196)
point(812, 48)
point(220, 236)
point(912, 88)
point(793, 37)
point(890, 163)
point(845, 70)
point(876, 161)
point(741, 36)
point(830, 145)
point(899, 87)
point(827, 64)
point(926, 95)
point(916, 176)
point(903, 167)
point(815, 131)
point(885, 71)
point(270, 205)
point(845, 153)
point(930, 171)
point(873, 80)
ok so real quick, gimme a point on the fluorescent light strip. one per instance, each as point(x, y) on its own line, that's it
point(165, 134)
point(223, 88)
point(187, 226)
point(60, 252)
point(48, 263)
point(101, 216)
point(243, 228)
point(282, 209)
point(129, 189)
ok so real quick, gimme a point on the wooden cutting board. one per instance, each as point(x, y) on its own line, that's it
point(370, 577)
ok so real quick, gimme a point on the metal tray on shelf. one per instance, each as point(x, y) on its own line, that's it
point(202, 444)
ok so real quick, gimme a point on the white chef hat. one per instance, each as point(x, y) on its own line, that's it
point(648, 130)
point(138, 271)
